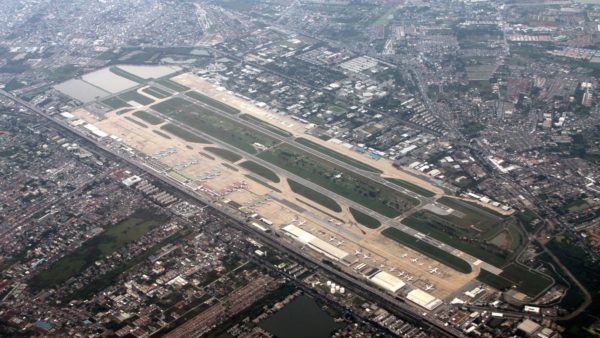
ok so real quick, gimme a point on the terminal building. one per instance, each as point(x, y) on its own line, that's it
point(317, 244)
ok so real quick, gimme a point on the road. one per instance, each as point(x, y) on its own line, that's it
point(394, 304)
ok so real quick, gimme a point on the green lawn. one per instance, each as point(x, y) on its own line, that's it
point(338, 156)
point(113, 238)
point(364, 219)
point(224, 153)
point(132, 120)
point(265, 184)
point(156, 92)
point(355, 187)
point(183, 134)
point(212, 102)
point(458, 237)
point(172, 85)
point(260, 170)
point(147, 117)
point(115, 102)
point(224, 129)
point(314, 196)
point(468, 207)
point(428, 250)
point(160, 133)
point(493, 280)
point(528, 281)
point(266, 125)
point(127, 75)
point(133, 95)
point(411, 186)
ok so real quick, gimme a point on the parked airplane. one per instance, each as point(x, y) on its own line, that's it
point(434, 270)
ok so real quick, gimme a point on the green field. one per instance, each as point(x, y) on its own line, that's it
point(314, 196)
point(428, 250)
point(364, 219)
point(338, 156)
point(260, 170)
point(224, 153)
point(183, 134)
point(112, 239)
point(265, 184)
point(266, 125)
point(133, 95)
point(127, 75)
point(528, 281)
point(357, 188)
point(493, 280)
point(410, 186)
point(224, 129)
point(474, 216)
point(172, 85)
point(123, 111)
point(115, 102)
point(157, 132)
point(156, 92)
point(212, 102)
point(108, 279)
point(460, 237)
point(147, 117)
point(132, 120)
point(468, 207)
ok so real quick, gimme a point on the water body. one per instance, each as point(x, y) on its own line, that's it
point(301, 318)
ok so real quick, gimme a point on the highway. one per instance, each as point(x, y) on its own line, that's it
point(393, 304)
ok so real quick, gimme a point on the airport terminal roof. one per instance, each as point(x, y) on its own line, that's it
point(387, 281)
point(423, 299)
point(314, 243)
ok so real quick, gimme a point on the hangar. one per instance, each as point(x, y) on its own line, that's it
point(423, 299)
point(387, 281)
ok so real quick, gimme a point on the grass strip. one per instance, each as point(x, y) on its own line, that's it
point(428, 250)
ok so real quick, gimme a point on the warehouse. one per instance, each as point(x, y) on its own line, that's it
point(423, 299)
point(387, 281)
point(314, 243)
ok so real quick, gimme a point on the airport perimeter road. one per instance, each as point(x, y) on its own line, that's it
point(394, 304)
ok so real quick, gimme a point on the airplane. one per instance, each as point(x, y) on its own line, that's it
point(409, 278)
point(366, 256)
point(401, 273)
point(340, 243)
point(414, 260)
point(428, 287)
point(332, 238)
point(434, 270)
point(357, 252)
point(404, 256)
point(301, 223)
point(382, 266)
